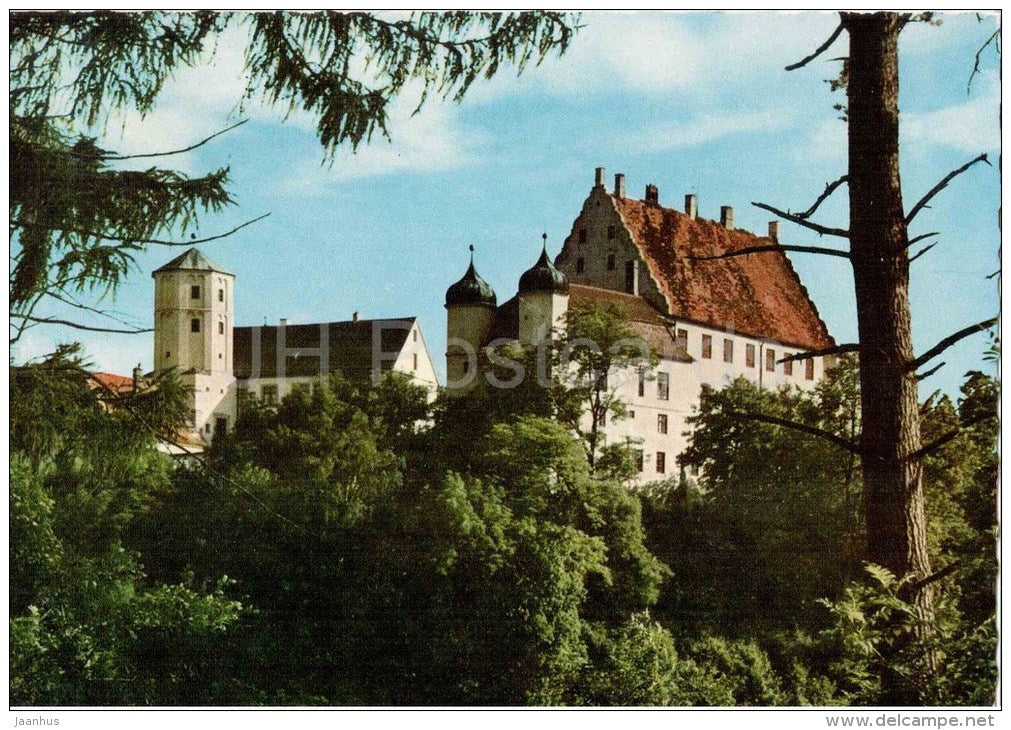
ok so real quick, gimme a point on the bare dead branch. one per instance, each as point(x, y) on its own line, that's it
point(803, 427)
point(922, 236)
point(837, 350)
point(939, 442)
point(829, 189)
point(818, 51)
point(77, 325)
point(201, 143)
point(816, 227)
point(951, 340)
point(927, 373)
point(921, 252)
point(939, 575)
point(995, 39)
point(922, 202)
point(156, 241)
point(774, 247)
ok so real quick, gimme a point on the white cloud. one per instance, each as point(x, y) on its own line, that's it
point(705, 129)
point(970, 127)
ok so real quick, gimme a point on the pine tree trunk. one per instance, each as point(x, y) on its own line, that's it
point(893, 484)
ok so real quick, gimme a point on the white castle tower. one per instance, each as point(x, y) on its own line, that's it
point(470, 309)
point(543, 300)
point(193, 324)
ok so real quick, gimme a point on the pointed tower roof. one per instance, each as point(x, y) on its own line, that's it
point(192, 260)
point(471, 289)
point(543, 277)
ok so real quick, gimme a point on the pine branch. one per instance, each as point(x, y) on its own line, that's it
point(829, 189)
point(917, 239)
point(837, 350)
point(816, 227)
point(954, 433)
point(775, 247)
point(951, 340)
point(922, 202)
point(818, 51)
point(939, 575)
point(803, 427)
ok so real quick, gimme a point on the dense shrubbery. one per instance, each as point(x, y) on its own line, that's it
point(334, 552)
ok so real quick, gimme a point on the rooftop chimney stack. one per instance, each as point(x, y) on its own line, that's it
point(652, 194)
point(138, 375)
point(691, 206)
point(598, 180)
point(727, 217)
point(619, 185)
point(284, 321)
point(774, 230)
point(354, 316)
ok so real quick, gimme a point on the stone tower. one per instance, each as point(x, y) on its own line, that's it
point(470, 310)
point(193, 324)
point(543, 300)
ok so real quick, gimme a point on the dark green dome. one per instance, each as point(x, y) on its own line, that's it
point(544, 278)
point(471, 290)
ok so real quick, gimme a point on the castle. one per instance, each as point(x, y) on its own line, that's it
point(709, 320)
point(224, 365)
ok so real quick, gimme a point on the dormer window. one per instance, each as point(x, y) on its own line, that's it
point(194, 292)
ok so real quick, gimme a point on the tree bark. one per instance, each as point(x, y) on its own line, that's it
point(893, 483)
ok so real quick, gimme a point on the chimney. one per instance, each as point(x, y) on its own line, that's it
point(774, 230)
point(598, 178)
point(619, 185)
point(653, 194)
point(727, 217)
point(354, 316)
point(284, 321)
point(138, 375)
point(691, 206)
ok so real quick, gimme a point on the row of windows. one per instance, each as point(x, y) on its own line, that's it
point(749, 354)
point(612, 231)
point(195, 293)
point(195, 326)
point(660, 461)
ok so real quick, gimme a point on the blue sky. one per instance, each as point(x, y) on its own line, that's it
point(693, 102)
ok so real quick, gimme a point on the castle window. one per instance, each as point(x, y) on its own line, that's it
point(167, 354)
point(661, 462)
point(611, 231)
point(631, 414)
point(661, 423)
point(221, 328)
point(770, 360)
point(415, 366)
point(707, 346)
point(610, 262)
point(194, 325)
point(663, 386)
point(414, 335)
point(809, 368)
point(749, 355)
point(269, 394)
point(194, 292)
point(580, 265)
point(582, 235)
point(642, 382)
point(728, 350)
point(639, 460)
point(630, 277)
point(221, 295)
point(681, 342)
point(788, 366)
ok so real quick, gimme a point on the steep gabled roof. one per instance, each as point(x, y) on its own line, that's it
point(349, 344)
point(758, 295)
point(192, 260)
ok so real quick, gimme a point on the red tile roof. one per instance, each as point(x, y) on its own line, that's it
point(758, 295)
point(112, 382)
